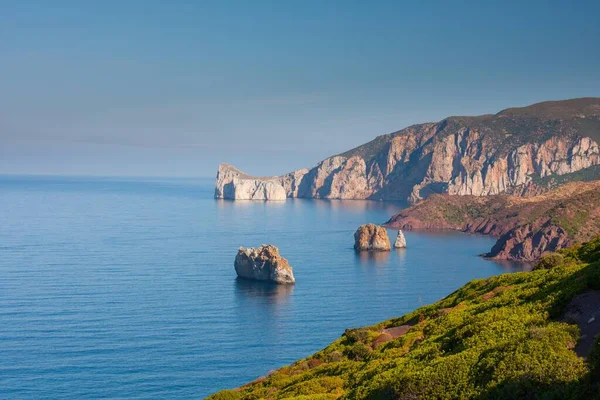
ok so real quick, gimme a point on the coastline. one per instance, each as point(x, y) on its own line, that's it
point(515, 325)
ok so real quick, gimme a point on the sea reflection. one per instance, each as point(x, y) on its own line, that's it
point(322, 204)
point(355, 205)
point(400, 253)
point(227, 204)
point(268, 292)
point(376, 258)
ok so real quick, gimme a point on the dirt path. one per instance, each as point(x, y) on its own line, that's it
point(584, 310)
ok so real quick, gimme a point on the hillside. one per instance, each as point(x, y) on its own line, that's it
point(482, 155)
point(525, 227)
point(525, 335)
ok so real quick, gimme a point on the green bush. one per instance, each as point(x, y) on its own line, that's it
point(590, 251)
point(226, 395)
point(549, 261)
point(358, 351)
point(594, 357)
point(359, 335)
point(335, 356)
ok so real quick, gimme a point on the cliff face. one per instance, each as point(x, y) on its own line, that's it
point(235, 185)
point(477, 156)
point(526, 227)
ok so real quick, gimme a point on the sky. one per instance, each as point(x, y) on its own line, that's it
point(173, 88)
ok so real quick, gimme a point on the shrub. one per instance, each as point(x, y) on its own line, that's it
point(314, 362)
point(590, 251)
point(359, 335)
point(594, 357)
point(335, 356)
point(358, 351)
point(549, 261)
point(226, 395)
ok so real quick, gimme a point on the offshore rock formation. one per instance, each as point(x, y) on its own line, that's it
point(235, 185)
point(371, 237)
point(263, 264)
point(400, 242)
point(526, 227)
point(478, 156)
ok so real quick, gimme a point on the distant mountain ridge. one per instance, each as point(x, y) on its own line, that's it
point(480, 155)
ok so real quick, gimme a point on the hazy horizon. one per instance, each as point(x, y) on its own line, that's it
point(172, 90)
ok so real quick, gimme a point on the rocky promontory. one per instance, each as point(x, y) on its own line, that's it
point(371, 237)
point(526, 228)
point(233, 184)
point(263, 264)
point(482, 155)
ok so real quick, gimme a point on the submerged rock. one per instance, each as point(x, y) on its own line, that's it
point(371, 237)
point(400, 242)
point(263, 264)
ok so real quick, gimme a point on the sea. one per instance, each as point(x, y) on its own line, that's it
point(125, 287)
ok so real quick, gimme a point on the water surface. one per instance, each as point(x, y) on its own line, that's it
point(113, 288)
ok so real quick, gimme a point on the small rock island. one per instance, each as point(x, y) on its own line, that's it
point(371, 237)
point(400, 242)
point(263, 264)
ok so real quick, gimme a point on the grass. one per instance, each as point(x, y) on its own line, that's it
point(500, 337)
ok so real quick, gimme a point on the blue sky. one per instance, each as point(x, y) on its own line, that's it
point(173, 88)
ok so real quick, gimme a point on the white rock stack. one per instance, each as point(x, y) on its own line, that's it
point(400, 242)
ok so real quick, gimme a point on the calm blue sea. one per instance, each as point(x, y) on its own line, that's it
point(125, 288)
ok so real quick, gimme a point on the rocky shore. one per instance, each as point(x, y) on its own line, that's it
point(525, 227)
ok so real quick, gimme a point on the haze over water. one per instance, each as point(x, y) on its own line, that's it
point(126, 288)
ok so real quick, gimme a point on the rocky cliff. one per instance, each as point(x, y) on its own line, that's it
point(478, 156)
point(235, 185)
point(526, 227)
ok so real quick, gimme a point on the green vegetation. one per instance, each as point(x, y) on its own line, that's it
point(583, 175)
point(501, 337)
point(549, 261)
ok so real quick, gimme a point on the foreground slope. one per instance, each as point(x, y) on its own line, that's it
point(479, 156)
point(503, 337)
point(525, 227)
